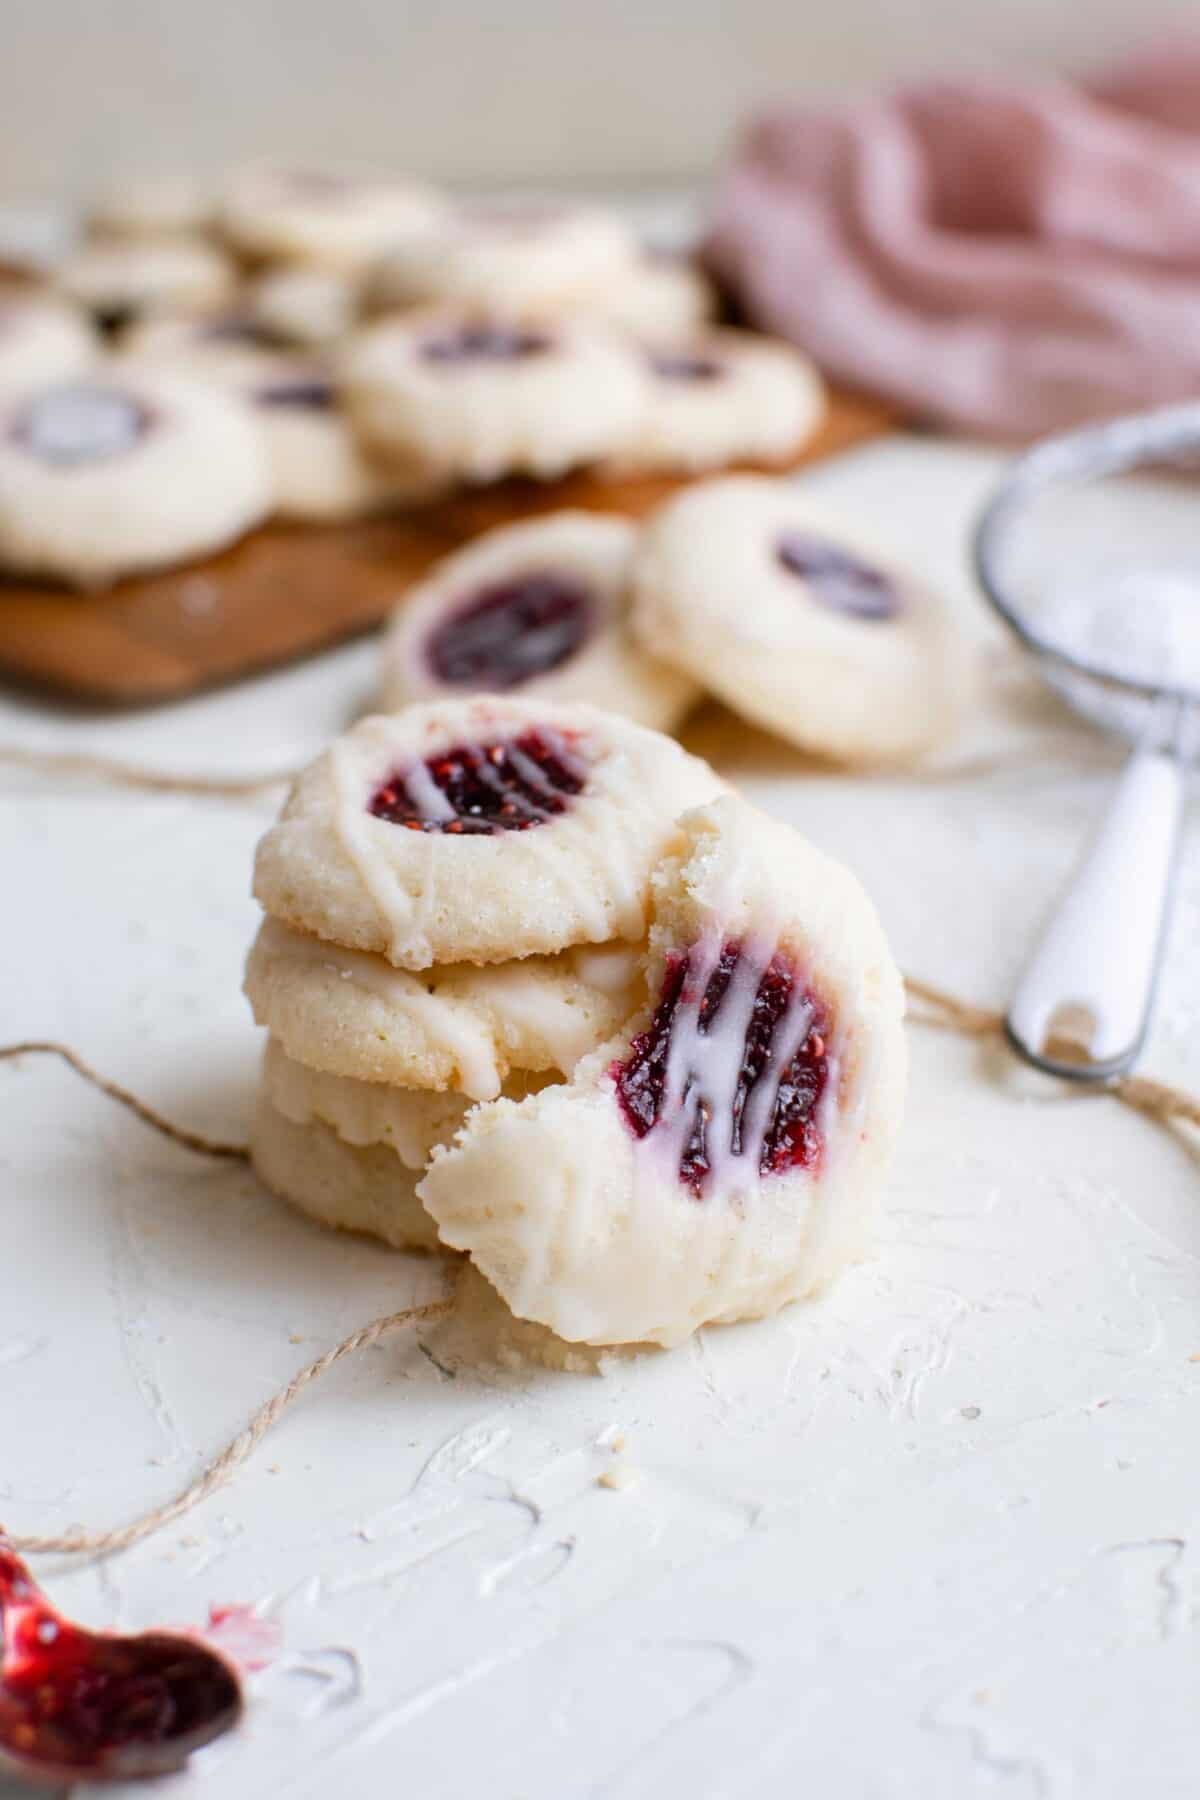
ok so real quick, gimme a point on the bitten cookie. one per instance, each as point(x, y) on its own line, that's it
point(41, 340)
point(481, 397)
point(478, 830)
point(125, 471)
point(329, 217)
point(796, 623)
point(720, 397)
point(454, 1026)
point(537, 608)
point(513, 261)
point(724, 1154)
point(121, 283)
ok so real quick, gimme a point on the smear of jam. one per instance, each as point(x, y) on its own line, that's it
point(100, 1703)
point(837, 579)
point(791, 1138)
point(511, 631)
point(680, 365)
point(315, 395)
point(512, 785)
point(485, 343)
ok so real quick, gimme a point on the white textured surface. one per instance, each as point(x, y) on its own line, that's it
point(938, 1534)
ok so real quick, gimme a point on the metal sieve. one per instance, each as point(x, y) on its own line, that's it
point(1094, 563)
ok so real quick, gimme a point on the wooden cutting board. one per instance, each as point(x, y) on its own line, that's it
point(289, 590)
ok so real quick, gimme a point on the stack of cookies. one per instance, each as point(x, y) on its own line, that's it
point(539, 989)
point(453, 900)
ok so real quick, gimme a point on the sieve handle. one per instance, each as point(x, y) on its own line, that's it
point(1099, 956)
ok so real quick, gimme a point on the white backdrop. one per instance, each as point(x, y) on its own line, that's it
point(484, 91)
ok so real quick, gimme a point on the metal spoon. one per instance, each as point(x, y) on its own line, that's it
point(102, 1706)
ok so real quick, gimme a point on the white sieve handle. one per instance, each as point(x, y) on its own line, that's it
point(1100, 953)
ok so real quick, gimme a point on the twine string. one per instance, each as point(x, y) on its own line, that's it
point(133, 775)
point(934, 1008)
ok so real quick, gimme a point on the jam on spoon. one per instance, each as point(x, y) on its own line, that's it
point(102, 1706)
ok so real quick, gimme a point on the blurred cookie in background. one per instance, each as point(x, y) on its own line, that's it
point(719, 397)
point(518, 259)
point(122, 283)
point(327, 217)
point(121, 471)
point(42, 339)
point(480, 396)
point(538, 608)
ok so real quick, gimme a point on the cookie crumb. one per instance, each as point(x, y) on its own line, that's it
point(620, 1477)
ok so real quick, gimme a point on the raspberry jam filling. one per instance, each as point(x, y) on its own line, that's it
point(485, 343)
point(837, 579)
point(80, 424)
point(315, 395)
point(732, 1069)
point(678, 365)
point(511, 631)
point(236, 328)
point(102, 1705)
point(477, 789)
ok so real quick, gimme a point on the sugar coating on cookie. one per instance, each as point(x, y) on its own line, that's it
point(482, 396)
point(122, 282)
point(308, 307)
point(455, 1026)
point(41, 339)
point(333, 218)
point(799, 623)
point(539, 608)
point(513, 260)
point(724, 1153)
point(718, 397)
point(125, 470)
point(477, 831)
point(655, 296)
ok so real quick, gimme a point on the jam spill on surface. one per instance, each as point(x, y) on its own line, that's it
point(682, 1077)
point(98, 1704)
point(680, 365)
point(511, 631)
point(485, 343)
point(80, 423)
point(837, 579)
point(477, 789)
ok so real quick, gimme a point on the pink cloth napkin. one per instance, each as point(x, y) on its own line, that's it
point(1007, 258)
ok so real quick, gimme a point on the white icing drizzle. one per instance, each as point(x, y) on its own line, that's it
point(446, 1022)
point(427, 796)
point(710, 1060)
point(352, 824)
